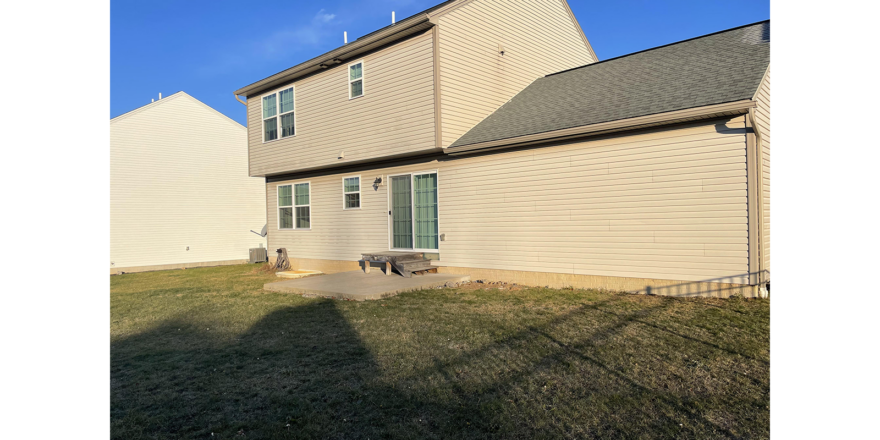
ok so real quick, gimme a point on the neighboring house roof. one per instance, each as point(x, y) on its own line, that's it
point(718, 68)
point(170, 97)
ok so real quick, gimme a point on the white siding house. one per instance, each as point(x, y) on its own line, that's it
point(180, 194)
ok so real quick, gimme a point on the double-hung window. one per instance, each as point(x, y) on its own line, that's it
point(294, 208)
point(351, 192)
point(302, 204)
point(356, 80)
point(285, 207)
point(278, 113)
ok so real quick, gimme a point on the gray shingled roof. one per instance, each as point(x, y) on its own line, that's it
point(723, 67)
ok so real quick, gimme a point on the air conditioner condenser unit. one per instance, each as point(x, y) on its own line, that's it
point(258, 255)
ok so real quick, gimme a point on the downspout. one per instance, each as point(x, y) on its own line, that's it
point(759, 156)
point(239, 99)
point(754, 121)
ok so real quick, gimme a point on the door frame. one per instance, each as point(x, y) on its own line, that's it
point(390, 231)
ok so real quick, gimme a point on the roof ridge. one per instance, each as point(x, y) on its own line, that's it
point(144, 107)
point(172, 96)
point(350, 46)
point(431, 9)
point(659, 47)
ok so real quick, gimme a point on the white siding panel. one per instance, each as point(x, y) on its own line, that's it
point(178, 179)
point(542, 210)
point(395, 115)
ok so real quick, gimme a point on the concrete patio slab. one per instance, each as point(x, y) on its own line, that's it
point(360, 286)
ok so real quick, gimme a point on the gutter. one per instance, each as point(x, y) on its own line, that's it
point(736, 107)
point(341, 54)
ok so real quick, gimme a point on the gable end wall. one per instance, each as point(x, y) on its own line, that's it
point(179, 189)
point(538, 38)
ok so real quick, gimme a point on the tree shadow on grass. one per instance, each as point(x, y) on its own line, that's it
point(303, 372)
point(532, 384)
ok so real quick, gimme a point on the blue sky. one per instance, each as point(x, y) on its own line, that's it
point(211, 48)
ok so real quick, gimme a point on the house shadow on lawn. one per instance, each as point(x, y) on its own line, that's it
point(296, 372)
point(303, 372)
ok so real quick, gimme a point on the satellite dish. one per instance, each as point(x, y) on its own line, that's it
point(262, 232)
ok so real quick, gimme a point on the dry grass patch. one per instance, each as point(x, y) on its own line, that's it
point(207, 351)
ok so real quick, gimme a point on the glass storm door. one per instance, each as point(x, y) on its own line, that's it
point(414, 212)
point(425, 210)
point(401, 212)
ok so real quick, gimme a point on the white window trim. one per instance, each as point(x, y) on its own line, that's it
point(348, 77)
point(293, 206)
point(358, 192)
point(278, 114)
point(412, 206)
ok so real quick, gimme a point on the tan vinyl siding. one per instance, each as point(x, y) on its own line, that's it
point(762, 116)
point(394, 117)
point(178, 178)
point(667, 203)
point(538, 37)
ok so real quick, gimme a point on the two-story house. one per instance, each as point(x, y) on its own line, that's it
point(487, 134)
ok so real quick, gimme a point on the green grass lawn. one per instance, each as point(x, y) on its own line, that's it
point(202, 351)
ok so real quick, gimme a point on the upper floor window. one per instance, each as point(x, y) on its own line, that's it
point(356, 80)
point(278, 111)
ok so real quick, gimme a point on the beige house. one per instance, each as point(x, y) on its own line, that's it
point(180, 195)
point(487, 134)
